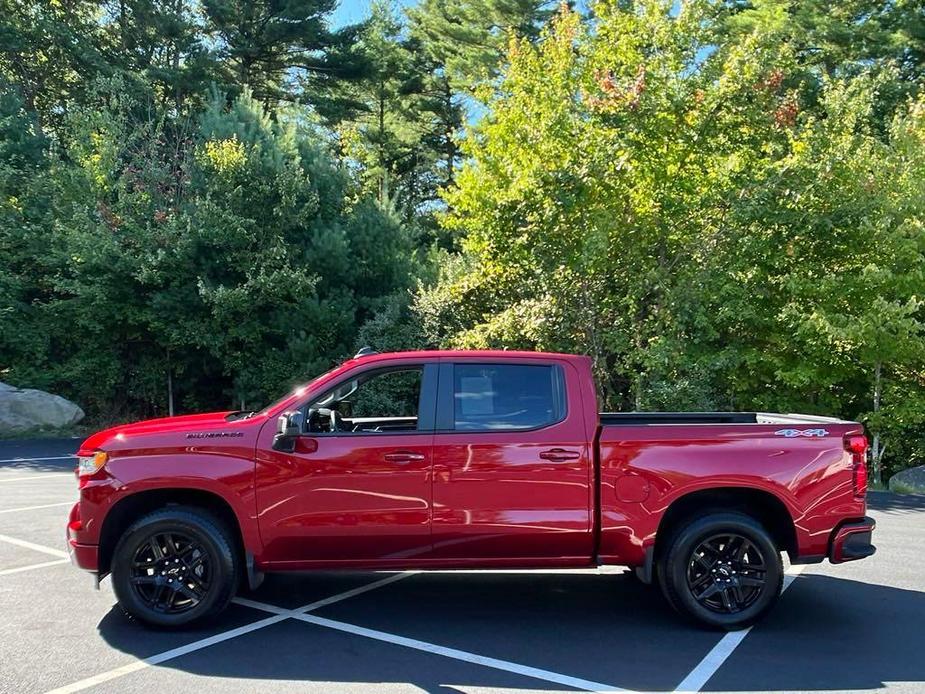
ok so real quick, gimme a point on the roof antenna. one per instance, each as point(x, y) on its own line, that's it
point(365, 352)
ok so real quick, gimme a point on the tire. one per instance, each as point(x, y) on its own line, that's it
point(192, 580)
point(710, 571)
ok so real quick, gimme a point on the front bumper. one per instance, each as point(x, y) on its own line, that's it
point(852, 541)
point(82, 555)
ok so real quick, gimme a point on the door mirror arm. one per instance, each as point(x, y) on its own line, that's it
point(288, 429)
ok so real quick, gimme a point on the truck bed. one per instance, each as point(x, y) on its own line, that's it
point(647, 418)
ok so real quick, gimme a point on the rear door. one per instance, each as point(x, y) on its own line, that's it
point(512, 468)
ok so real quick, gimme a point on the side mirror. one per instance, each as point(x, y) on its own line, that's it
point(288, 429)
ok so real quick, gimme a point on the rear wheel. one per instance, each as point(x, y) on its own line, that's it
point(175, 566)
point(722, 570)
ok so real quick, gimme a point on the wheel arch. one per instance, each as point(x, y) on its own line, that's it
point(762, 505)
point(138, 504)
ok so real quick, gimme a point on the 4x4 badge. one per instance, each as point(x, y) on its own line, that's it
point(794, 433)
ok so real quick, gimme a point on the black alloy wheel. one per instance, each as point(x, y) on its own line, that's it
point(171, 572)
point(726, 573)
point(722, 569)
point(175, 566)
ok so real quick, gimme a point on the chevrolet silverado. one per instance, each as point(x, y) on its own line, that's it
point(466, 459)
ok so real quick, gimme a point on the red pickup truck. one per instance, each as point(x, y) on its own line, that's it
point(466, 459)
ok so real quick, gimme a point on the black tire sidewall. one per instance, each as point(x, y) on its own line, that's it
point(673, 569)
point(202, 528)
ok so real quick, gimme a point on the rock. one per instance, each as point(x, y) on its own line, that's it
point(911, 481)
point(22, 409)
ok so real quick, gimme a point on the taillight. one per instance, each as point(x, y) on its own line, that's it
point(857, 447)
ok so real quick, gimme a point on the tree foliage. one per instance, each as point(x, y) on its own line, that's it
point(720, 201)
point(716, 221)
point(228, 254)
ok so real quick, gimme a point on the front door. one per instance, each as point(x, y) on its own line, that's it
point(512, 464)
point(357, 487)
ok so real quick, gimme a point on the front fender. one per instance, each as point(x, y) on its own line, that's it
point(228, 478)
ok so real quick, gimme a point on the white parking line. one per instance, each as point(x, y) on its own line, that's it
point(165, 656)
point(26, 460)
point(714, 660)
point(35, 508)
point(50, 475)
point(31, 545)
point(693, 683)
point(20, 569)
point(280, 615)
point(454, 653)
point(465, 656)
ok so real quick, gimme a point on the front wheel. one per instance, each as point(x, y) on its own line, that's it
point(722, 570)
point(175, 566)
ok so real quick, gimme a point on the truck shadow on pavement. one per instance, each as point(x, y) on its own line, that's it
point(887, 501)
point(832, 634)
point(826, 634)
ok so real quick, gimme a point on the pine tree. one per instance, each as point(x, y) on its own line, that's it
point(469, 38)
point(282, 51)
point(402, 116)
point(161, 45)
point(50, 51)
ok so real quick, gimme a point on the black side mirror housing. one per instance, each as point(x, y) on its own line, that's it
point(288, 429)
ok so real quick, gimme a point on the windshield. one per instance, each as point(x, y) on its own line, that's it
point(296, 392)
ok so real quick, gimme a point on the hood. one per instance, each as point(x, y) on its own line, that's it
point(210, 426)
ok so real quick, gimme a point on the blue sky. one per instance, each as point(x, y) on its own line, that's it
point(353, 11)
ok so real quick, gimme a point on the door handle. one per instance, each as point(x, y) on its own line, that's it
point(558, 455)
point(403, 457)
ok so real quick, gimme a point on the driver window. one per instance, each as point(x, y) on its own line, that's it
point(374, 402)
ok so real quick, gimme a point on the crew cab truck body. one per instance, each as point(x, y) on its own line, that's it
point(463, 459)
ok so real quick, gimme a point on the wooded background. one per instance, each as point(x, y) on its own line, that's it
point(722, 202)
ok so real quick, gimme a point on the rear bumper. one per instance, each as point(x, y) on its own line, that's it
point(852, 541)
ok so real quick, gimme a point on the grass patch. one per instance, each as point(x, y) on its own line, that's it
point(903, 488)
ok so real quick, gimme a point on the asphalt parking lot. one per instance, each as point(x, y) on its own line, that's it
point(855, 627)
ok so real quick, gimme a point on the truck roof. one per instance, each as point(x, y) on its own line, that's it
point(450, 353)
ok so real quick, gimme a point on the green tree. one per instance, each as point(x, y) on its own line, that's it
point(827, 261)
point(50, 51)
point(469, 38)
point(280, 50)
point(383, 134)
point(399, 119)
point(844, 39)
point(24, 222)
point(225, 274)
point(713, 227)
point(162, 46)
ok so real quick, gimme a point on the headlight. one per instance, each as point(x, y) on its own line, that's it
point(91, 464)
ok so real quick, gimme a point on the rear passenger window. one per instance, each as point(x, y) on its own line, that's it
point(496, 397)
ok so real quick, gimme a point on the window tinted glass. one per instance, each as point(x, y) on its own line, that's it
point(375, 402)
point(494, 397)
point(390, 394)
